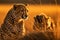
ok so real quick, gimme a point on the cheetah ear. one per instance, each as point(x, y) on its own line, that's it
point(25, 4)
point(15, 6)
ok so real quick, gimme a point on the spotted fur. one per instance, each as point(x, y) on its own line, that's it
point(46, 25)
point(12, 28)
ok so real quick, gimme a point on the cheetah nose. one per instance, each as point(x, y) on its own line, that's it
point(24, 16)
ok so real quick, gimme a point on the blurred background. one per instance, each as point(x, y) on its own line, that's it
point(49, 7)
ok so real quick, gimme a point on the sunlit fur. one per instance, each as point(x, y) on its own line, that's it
point(13, 25)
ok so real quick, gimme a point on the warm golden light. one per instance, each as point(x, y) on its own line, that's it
point(50, 10)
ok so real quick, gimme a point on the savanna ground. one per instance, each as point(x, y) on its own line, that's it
point(51, 10)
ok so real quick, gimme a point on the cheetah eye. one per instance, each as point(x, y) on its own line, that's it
point(22, 10)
